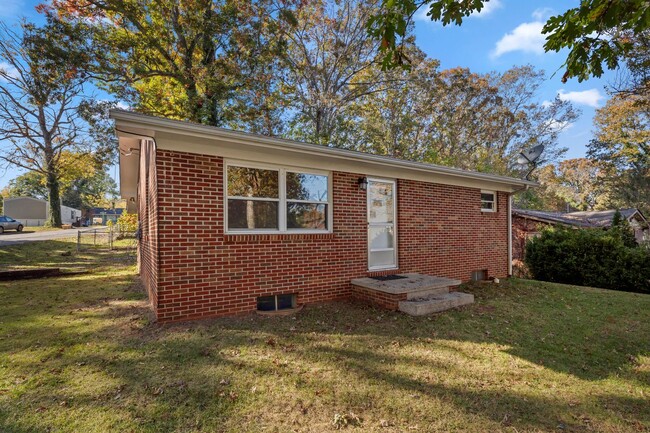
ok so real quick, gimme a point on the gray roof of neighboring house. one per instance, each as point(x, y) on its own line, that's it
point(107, 211)
point(603, 218)
point(578, 219)
point(550, 217)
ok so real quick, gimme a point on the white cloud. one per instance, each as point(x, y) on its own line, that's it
point(526, 37)
point(589, 97)
point(557, 126)
point(8, 70)
point(488, 9)
point(542, 14)
point(546, 103)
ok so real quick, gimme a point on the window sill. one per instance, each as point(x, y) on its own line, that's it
point(381, 269)
point(276, 232)
point(276, 236)
point(382, 272)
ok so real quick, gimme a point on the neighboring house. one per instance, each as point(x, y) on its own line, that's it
point(33, 211)
point(99, 215)
point(527, 224)
point(231, 220)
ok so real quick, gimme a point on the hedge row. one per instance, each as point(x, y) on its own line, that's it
point(589, 257)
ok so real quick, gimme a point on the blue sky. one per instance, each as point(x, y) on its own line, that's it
point(506, 33)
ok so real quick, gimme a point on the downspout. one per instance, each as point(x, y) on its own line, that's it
point(510, 234)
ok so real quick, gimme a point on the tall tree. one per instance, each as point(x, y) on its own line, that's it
point(634, 79)
point(330, 65)
point(545, 197)
point(31, 184)
point(459, 118)
point(572, 184)
point(577, 182)
point(84, 183)
point(184, 60)
point(396, 120)
point(40, 105)
point(589, 31)
point(622, 146)
point(96, 190)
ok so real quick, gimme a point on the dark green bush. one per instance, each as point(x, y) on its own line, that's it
point(589, 257)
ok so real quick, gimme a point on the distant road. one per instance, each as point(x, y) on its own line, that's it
point(13, 238)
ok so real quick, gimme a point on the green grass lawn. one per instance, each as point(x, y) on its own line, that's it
point(80, 354)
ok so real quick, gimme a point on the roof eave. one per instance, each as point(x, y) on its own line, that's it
point(150, 124)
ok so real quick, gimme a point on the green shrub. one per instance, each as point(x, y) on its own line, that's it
point(589, 257)
point(127, 224)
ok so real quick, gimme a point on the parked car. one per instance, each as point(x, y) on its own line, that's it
point(8, 223)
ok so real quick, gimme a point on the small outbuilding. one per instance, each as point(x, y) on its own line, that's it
point(33, 211)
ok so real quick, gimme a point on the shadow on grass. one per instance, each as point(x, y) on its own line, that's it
point(585, 335)
point(531, 412)
point(588, 333)
point(84, 355)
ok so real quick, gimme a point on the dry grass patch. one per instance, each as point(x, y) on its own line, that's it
point(81, 354)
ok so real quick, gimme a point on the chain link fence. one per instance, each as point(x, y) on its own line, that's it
point(107, 239)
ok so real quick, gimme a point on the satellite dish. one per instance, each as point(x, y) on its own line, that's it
point(529, 157)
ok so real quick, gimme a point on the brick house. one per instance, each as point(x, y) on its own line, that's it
point(233, 222)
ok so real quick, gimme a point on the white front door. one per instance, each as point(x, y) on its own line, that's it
point(382, 241)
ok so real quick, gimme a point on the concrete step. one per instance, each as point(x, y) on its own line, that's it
point(427, 292)
point(410, 282)
point(435, 303)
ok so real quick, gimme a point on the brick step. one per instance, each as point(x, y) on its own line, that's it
point(435, 303)
point(427, 292)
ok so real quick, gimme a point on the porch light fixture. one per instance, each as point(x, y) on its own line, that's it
point(363, 183)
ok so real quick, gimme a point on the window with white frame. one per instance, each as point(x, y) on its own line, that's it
point(488, 201)
point(276, 199)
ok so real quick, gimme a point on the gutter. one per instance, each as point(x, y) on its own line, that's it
point(175, 126)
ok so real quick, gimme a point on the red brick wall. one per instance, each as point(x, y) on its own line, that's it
point(442, 231)
point(148, 216)
point(379, 299)
point(522, 230)
point(203, 272)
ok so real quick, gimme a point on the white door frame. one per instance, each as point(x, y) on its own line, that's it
point(393, 224)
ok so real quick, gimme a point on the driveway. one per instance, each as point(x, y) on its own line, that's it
point(13, 238)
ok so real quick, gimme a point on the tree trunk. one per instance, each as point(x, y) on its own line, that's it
point(54, 199)
point(250, 214)
point(194, 108)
